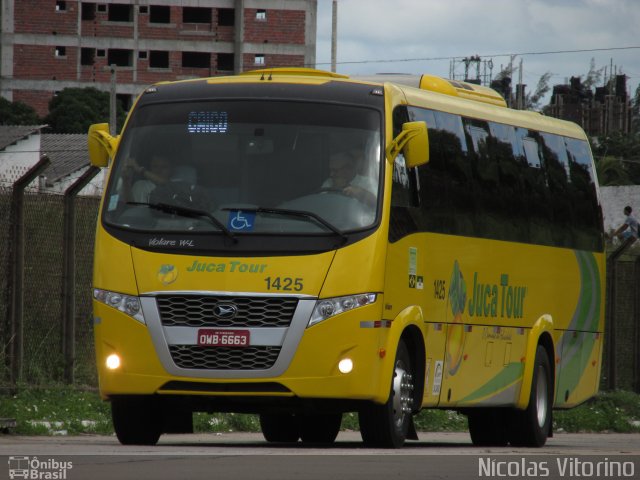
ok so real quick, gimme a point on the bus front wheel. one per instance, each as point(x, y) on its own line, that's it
point(281, 428)
point(320, 428)
point(531, 427)
point(388, 425)
point(136, 421)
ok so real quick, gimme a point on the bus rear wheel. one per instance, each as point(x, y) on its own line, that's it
point(531, 427)
point(136, 421)
point(387, 425)
point(280, 427)
point(321, 428)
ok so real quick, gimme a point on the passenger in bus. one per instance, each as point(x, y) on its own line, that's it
point(182, 190)
point(343, 176)
point(629, 229)
point(158, 173)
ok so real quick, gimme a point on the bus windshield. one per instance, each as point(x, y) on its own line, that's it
point(247, 167)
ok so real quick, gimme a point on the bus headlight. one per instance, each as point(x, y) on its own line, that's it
point(330, 307)
point(125, 303)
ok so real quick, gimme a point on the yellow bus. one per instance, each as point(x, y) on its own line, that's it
point(299, 244)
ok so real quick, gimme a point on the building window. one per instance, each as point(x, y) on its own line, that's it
point(159, 14)
point(61, 52)
point(226, 17)
point(142, 55)
point(158, 59)
point(120, 13)
point(261, 15)
point(101, 8)
point(196, 15)
point(88, 11)
point(120, 56)
point(143, 9)
point(259, 59)
point(101, 53)
point(196, 59)
point(61, 6)
point(225, 61)
point(87, 56)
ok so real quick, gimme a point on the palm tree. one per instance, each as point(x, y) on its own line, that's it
point(611, 171)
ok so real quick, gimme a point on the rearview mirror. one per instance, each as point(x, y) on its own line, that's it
point(413, 141)
point(102, 146)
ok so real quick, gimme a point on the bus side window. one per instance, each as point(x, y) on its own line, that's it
point(583, 195)
point(556, 166)
point(537, 204)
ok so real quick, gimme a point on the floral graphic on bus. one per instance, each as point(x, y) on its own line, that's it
point(167, 274)
point(455, 332)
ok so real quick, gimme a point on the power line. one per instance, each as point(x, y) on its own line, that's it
point(522, 54)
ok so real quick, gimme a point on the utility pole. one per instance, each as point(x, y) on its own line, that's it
point(520, 100)
point(112, 102)
point(334, 34)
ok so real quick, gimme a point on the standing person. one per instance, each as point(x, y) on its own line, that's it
point(630, 226)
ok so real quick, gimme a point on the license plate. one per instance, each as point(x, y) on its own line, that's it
point(208, 337)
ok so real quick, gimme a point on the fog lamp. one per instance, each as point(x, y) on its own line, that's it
point(345, 365)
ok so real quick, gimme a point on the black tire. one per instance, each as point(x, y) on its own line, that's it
point(281, 428)
point(137, 421)
point(387, 426)
point(322, 428)
point(488, 427)
point(531, 427)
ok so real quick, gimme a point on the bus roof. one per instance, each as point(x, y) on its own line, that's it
point(426, 91)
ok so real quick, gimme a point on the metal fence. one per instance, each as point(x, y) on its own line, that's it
point(39, 317)
point(622, 336)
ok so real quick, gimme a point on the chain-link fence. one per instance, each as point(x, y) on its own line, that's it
point(42, 360)
point(5, 280)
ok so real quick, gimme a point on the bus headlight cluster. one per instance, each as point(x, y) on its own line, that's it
point(125, 303)
point(330, 307)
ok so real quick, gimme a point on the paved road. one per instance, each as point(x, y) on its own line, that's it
point(240, 456)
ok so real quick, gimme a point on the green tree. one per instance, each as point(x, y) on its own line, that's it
point(532, 100)
point(73, 110)
point(17, 113)
point(617, 153)
point(593, 77)
point(611, 171)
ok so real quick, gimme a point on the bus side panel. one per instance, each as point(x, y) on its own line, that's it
point(408, 265)
point(579, 357)
point(579, 379)
point(489, 360)
point(484, 297)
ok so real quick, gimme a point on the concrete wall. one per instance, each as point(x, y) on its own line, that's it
point(614, 199)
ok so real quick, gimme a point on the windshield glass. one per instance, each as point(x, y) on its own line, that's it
point(247, 167)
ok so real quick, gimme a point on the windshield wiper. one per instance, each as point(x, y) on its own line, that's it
point(190, 213)
point(296, 213)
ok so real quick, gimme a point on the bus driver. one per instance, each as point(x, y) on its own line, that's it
point(343, 176)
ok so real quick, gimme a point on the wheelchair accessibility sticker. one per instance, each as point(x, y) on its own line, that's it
point(240, 221)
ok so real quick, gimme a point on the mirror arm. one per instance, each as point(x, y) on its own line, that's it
point(398, 143)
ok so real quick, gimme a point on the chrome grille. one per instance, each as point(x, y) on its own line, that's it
point(224, 358)
point(197, 311)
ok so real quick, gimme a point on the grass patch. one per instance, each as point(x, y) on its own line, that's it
point(71, 411)
point(616, 411)
point(57, 410)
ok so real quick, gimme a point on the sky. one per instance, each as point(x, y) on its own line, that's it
point(421, 36)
